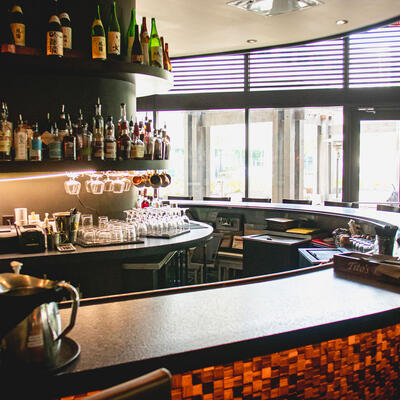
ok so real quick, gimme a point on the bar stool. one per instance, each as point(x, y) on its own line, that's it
point(256, 200)
point(210, 198)
point(180, 197)
point(154, 385)
point(386, 207)
point(297, 201)
point(205, 256)
point(338, 203)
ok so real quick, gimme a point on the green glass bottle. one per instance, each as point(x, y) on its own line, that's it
point(113, 34)
point(155, 48)
point(130, 34)
point(99, 47)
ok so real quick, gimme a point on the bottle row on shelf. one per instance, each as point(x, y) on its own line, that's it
point(64, 139)
point(110, 43)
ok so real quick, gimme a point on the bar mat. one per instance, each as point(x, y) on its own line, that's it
point(168, 235)
point(88, 245)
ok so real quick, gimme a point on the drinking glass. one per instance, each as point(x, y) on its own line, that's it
point(103, 222)
point(87, 221)
point(118, 184)
point(72, 186)
point(108, 183)
point(97, 185)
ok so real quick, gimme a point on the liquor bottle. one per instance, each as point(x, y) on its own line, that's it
point(137, 149)
point(144, 41)
point(7, 39)
point(142, 132)
point(131, 127)
point(62, 123)
point(164, 56)
point(145, 202)
point(99, 47)
point(55, 147)
point(122, 119)
point(69, 143)
point(20, 141)
point(157, 146)
point(17, 24)
point(87, 138)
point(149, 141)
point(155, 49)
point(168, 59)
point(113, 34)
point(98, 133)
point(54, 36)
point(77, 131)
point(5, 134)
point(110, 144)
point(130, 34)
point(166, 144)
point(124, 140)
point(66, 28)
point(137, 54)
point(35, 152)
point(46, 136)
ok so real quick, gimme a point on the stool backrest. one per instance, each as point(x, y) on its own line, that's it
point(338, 203)
point(154, 385)
point(296, 201)
point(386, 207)
point(210, 198)
point(180, 197)
point(212, 247)
point(256, 200)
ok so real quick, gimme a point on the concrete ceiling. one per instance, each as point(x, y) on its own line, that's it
point(197, 27)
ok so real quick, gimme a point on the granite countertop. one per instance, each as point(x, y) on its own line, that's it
point(183, 331)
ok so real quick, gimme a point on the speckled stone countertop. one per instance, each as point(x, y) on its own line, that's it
point(183, 331)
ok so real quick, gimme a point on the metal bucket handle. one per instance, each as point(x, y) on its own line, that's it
point(75, 304)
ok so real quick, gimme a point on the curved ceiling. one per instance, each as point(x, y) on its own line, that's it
point(199, 27)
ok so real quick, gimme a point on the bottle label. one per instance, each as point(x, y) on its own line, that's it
point(47, 138)
point(145, 49)
point(111, 150)
point(67, 37)
point(21, 146)
point(55, 150)
point(69, 150)
point(36, 144)
point(137, 151)
point(99, 47)
point(98, 148)
point(18, 31)
point(156, 56)
point(55, 43)
point(5, 145)
point(131, 39)
point(114, 43)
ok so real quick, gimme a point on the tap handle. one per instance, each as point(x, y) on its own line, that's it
point(16, 266)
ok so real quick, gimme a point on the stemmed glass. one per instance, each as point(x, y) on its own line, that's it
point(72, 186)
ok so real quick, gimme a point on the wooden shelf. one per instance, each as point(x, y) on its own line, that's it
point(71, 166)
point(148, 80)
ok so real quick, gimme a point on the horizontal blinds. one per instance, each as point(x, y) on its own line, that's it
point(374, 58)
point(317, 65)
point(209, 74)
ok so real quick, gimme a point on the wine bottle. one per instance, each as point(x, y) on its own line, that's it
point(165, 63)
point(99, 47)
point(54, 36)
point(130, 34)
point(17, 24)
point(77, 131)
point(166, 144)
point(155, 49)
point(5, 134)
point(110, 144)
point(35, 152)
point(113, 34)
point(144, 41)
point(20, 141)
point(87, 137)
point(124, 140)
point(137, 149)
point(98, 133)
point(122, 119)
point(157, 146)
point(7, 39)
point(66, 30)
point(168, 59)
point(137, 54)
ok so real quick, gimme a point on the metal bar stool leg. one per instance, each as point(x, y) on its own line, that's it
point(204, 263)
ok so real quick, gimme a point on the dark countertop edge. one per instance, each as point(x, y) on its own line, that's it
point(83, 382)
point(377, 217)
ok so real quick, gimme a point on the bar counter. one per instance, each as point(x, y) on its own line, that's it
point(184, 330)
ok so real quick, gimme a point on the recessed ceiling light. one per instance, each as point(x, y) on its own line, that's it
point(274, 7)
point(251, 41)
point(341, 22)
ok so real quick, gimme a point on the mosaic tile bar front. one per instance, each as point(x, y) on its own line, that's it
point(358, 367)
